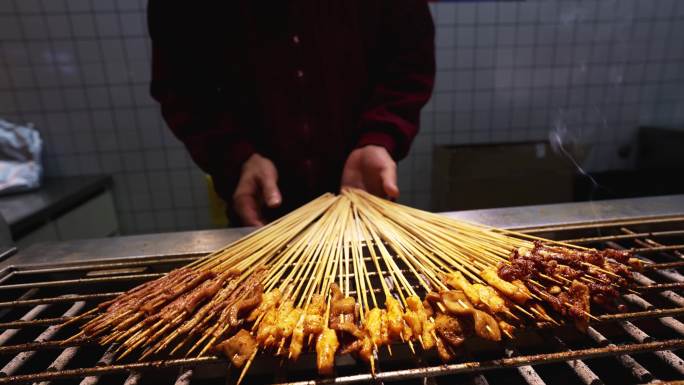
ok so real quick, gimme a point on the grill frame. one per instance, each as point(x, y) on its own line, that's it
point(671, 257)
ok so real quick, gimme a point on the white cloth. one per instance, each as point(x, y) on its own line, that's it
point(20, 157)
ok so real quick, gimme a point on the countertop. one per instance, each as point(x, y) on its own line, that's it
point(204, 241)
point(24, 211)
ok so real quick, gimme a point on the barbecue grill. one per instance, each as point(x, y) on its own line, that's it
point(641, 345)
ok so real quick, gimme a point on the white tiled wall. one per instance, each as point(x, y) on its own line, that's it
point(79, 70)
point(507, 71)
point(591, 71)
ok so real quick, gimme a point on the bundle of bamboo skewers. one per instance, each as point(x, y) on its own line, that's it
point(352, 273)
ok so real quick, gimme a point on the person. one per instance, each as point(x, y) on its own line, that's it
point(283, 100)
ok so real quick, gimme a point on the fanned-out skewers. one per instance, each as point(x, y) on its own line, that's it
point(352, 274)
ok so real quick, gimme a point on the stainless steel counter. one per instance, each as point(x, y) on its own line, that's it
point(31, 209)
point(573, 213)
point(195, 242)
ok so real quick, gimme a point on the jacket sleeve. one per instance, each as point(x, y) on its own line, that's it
point(193, 103)
point(402, 78)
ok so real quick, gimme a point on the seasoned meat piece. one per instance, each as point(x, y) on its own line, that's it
point(636, 264)
point(407, 332)
point(313, 324)
point(540, 309)
point(572, 257)
point(429, 312)
point(449, 328)
point(170, 293)
point(433, 297)
point(363, 347)
point(326, 346)
point(458, 281)
point(131, 298)
point(297, 340)
point(555, 290)
point(173, 309)
point(519, 268)
point(491, 298)
point(510, 290)
point(336, 292)
point(238, 348)
point(287, 320)
point(269, 301)
point(206, 290)
point(313, 319)
point(428, 336)
point(621, 256)
point(605, 290)
point(352, 347)
point(317, 305)
point(395, 321)
point(506, 328)
point(414, 323)
point(249, 302)
point(578, 297)
point(456, 302)
point(417, 319)
point(375, 325)
point(344, 306)
point(412, 316)
point(267, 333)
point(619, 269)
point(567, 272)
point(594, 257)
point(555, 303)
point(486, 326)
point(343, 313)
point(444, 353)
point(522, 287)
point(309, 323)
point(348, 327)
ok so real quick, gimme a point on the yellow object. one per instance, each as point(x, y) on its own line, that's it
point(217, 206)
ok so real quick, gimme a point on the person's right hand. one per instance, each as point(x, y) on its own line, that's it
point(258, 186)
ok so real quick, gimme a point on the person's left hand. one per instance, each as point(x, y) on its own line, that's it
point(371, 168)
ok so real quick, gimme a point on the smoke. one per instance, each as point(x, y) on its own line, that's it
point(567, 143)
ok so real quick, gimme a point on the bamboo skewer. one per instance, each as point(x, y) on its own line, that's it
point(372, 249)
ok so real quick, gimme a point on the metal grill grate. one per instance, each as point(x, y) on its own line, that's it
point(635, 347)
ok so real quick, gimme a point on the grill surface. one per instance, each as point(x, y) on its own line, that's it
point(640, 346)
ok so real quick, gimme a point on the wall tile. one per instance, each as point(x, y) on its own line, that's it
point(10, 28)
point(444, 122)
point(7, 103)
point(28, 6)
point(445, 36)
point(107, 24)
point(505, 35)
point(465, 13)
point(447, 59)
point(487, 13)
point(130, 5)
point(507, 12)
point(446, 14)
point(135, 23)
point(465, 36)
point(486, 36)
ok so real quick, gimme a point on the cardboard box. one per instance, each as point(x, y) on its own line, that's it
point(499, 175)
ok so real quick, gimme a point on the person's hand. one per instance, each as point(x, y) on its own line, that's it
point(258, 186)
point(371, 168)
